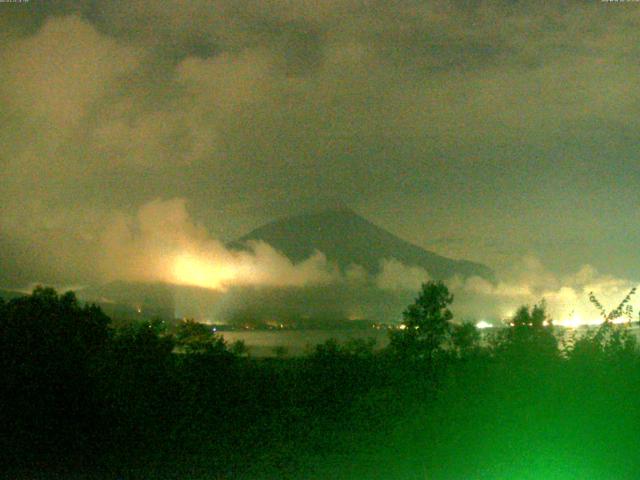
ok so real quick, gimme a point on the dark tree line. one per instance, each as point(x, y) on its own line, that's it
point(81, 399)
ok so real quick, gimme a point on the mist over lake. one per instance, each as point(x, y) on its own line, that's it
point(299, 342)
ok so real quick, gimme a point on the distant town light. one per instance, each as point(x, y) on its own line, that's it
point(482, 325)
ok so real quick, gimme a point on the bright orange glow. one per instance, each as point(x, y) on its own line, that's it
point(189, 269)
point(576, 320)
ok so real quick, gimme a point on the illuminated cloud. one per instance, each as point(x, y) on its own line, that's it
point(566, 298)
point(162, 244)
point(507, 126)
point(397, 276)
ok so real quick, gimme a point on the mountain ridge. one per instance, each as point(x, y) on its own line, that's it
point(347, 238)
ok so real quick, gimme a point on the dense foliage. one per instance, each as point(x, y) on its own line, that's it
point(83, 400)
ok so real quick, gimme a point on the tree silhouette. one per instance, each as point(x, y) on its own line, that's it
point(609, 342)
point(465, 338)
point(48, 345)
point(199, 338)
point(529, 334)
point(239, 348)
point(624, 308)
point(426, 325)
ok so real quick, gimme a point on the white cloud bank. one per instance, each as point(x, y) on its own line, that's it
point(162, 243)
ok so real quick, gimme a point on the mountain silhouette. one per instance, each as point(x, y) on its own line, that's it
point(342, 235)
point(346, 238)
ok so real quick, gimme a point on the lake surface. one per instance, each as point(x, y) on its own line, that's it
point(297, 342)
point(263, 343)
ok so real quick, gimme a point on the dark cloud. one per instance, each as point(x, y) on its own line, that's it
point(491, 121)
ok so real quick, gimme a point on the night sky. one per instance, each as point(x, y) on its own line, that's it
point(502, 132)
